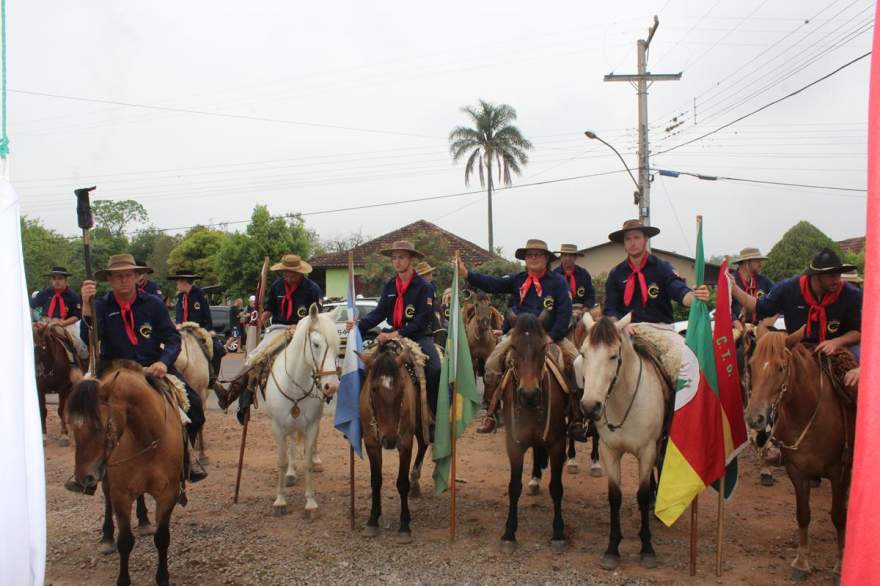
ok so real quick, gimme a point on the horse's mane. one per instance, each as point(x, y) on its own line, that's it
point(604, 333)
point(82, 404)
point(323, 324)
point(770, 346)
point(527, 325)
point(480, 297)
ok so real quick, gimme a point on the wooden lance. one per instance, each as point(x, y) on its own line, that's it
point(86, 221)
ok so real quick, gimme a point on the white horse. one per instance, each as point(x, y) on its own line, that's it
point(303, 375)
point(193, 365)
point(624, 394)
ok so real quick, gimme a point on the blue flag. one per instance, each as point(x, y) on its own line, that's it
point(348, 418)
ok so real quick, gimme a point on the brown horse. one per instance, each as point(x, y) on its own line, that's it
point(132, 435)
point(481, 321)
point(812, 425)
point(55, 372)
point(534, 408)
point(389, 409)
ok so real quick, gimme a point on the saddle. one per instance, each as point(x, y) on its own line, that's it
point(61, 334)
point(206, 342)
point(653, 346)
point(169, 386)
point(260, 363)
point(835, 367)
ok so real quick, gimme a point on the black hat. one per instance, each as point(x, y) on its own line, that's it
point(826, 262)
point(60, 271)
point(140, 262)
point(187, 275)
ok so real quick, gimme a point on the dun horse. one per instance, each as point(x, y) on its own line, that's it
point(534, 408)
point(813, 428)
point(55, 372)
point(481, 322)
point(194, 367)
point(624, 396)
point(389, 408)
point(130, 436)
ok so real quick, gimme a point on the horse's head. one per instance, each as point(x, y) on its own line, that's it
point(386, 384)
point(528, 348)
point(41, 346)
point(769, 372)
point(97, 422)
point(322, 346)
point(601, 359)
point(483, 313)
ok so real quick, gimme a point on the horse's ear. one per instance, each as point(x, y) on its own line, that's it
point(511, 318)
point(467, 311)
point(366, 358)
point(760, 331)
point(794, 338)
point(624, 321)
point(588, 321)
point(313, 311)
point(544, 319)
point(497, 319)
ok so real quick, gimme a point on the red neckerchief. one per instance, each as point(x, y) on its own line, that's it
point(127, 319)
point(571, 282)
point(288, 299)
point(752, 289)
point(817, 310)
point(397, 316)
point(532, 279)
point(630, 288)
point(143, 287)
point(185, 303)
point(62, 308)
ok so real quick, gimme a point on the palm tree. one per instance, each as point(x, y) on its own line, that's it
point(491, 140)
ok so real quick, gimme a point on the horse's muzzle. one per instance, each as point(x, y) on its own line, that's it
point(592, 410)
point(757, 421)
point(528, 398)
point(88, 486)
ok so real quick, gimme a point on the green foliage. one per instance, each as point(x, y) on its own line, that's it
point(857, 259)
point(44, 248)
point(143, 243)
point(791, 255)
point(498, 268)
point(241, 254)
point(377, 269)
point(197, 252)
point(115, 216)
point(599, 285)
point(158, 258)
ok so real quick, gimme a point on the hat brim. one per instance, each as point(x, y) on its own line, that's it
point(648, 231)
point(748, 258)
point(388, 251)
point(102, 274)
point(58, 274)
point(831, 270)
point(430, 269)
point(560, 253)
point(183, 276)
point(521, 253)
point(304, 268)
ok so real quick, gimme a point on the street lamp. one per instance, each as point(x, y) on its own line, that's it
point(637, 195)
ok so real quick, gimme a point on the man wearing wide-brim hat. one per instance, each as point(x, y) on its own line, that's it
point(749, 278)
point(133, 325)
point(426, 272)
point(829, 310)
point(579, 280)
point(59, 303)
point(535, 290)
point(145, 284)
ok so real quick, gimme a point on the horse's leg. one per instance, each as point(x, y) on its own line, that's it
point(310, 439)
point(203, 458)
point(41, 397)
point(415, 490)
point(162, 538)
point(405, 452)
point(122, 512)
point(374, 452)
point(539, 462)
point(611, 463)
point(63, 441)
point(279, 507)
point(144, 526)
point(647, 457)
point(108, 545)
point(317, 464)
point(557, 459)
point(839, 491)
point(571, 463)
point(801, 564)
point(515, 454)
point(290, 474)
point(595, 465)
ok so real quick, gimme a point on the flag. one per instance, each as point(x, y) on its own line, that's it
point(348, 398)
point(456, 375)
point(694, 455)
point(862, 533)
point(729, 387)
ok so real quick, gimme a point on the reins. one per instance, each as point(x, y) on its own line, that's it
point(315, 376)
point(615, 426)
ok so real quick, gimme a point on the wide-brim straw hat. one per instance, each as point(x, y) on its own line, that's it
point(826, 262)
point(424, 268)
point(60, 271)
point(852, 277)
point(292, 262)
point(534, 244)
point(569, 249)
point(749, 254)
point(187, 275)
point(402, 246)
point(648, 231)
point(120, 262)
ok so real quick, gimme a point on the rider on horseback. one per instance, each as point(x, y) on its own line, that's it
point(193, 306)
point(133, 325)
point(580, 283)
point(145, 284)
point(59, 303)
point(749, 278)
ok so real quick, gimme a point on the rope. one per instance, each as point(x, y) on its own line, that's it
point(4, 138)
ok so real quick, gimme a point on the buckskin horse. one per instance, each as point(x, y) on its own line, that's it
point(814, 425)
point(534, 408)
point(624, 394)
point(57, 366)
point(131, 435)
point(390, 407)
point(194, 366)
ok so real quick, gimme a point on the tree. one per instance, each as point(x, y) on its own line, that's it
point(158, 259)
point(491, 140)
point(498, 268)
point(42, 249)
point(377, 269)
point(143, 243)
point(197, 252)
point(344, 243)
point(792, 254)
point(241, 255)
point(115, 216)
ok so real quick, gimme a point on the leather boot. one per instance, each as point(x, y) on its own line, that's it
point(195, 471)
point(488, 425)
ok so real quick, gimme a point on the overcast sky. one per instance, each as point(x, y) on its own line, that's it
point(380, 85)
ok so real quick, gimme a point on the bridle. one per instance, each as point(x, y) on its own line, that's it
point(612, 427)
point(543, 390)
point(316, 374)
point(774, 406)
point(374, 423)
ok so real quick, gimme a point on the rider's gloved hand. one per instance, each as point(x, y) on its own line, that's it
point(244, 401)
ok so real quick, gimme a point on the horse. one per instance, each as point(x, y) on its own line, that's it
point(194, 366)
point(624, 395)
point(481, 321)
point(577, 333)
point(304, 375)
point(533, 408)
point(813, 426)
point(130, 437)
point(55, 372)
point(390, 408)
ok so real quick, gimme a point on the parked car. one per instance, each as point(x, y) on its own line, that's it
point(340, 316)
point(220, 319)
point(681, 327)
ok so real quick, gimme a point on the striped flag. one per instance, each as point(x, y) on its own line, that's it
point(695, 452)
point(348, 418)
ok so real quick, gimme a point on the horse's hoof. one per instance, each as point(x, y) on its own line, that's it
point(107, 547)
point(559, 545)
point(799, 575)
point(767, 480)
point(371, 531)
point(534, 488)
point(146, 529)
point(571, 467)
point(311, 514)
point(279, 510)
point(415, 491)
point(596, 470)
point(63, 441)
point(609, 561)
point(507, 546)
point(404, 537)
point(648, 560)
point(289, 480)
point(204, 459)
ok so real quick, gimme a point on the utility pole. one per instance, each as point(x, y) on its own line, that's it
point(641, 82)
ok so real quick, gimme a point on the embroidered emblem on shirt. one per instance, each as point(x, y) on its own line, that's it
point(833, 326)
point(548, 303)
point(146, 330)
point(580, 291)
point(409, 312)
point(301, 312)
point(197, 305)
point(653, 291)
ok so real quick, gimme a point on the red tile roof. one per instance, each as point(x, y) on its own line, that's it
point(852, 244)
point(470, 252)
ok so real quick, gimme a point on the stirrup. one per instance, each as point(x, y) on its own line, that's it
point(489, 425)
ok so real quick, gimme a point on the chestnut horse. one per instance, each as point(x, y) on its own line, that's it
point(534, 409)
point(131, 434)
point(813, 426)
point(481, 321)
point(389, 407)
point(54, 371)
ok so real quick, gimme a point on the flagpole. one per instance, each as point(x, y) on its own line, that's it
point(351, 447)
point(693, 552)
point(452, 419)
point(719, 545)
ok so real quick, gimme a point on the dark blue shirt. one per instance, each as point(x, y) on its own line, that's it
point(152, 288)
point(157, 338)
point(555, 297)
point(584, 292)
point(418, 307)
point(72, 302)
point(763, 285)
point(198, 309)
point(664, 285)
point(307, 293)
point(844, 315)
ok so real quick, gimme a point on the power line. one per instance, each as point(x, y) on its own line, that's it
point(706, 177)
